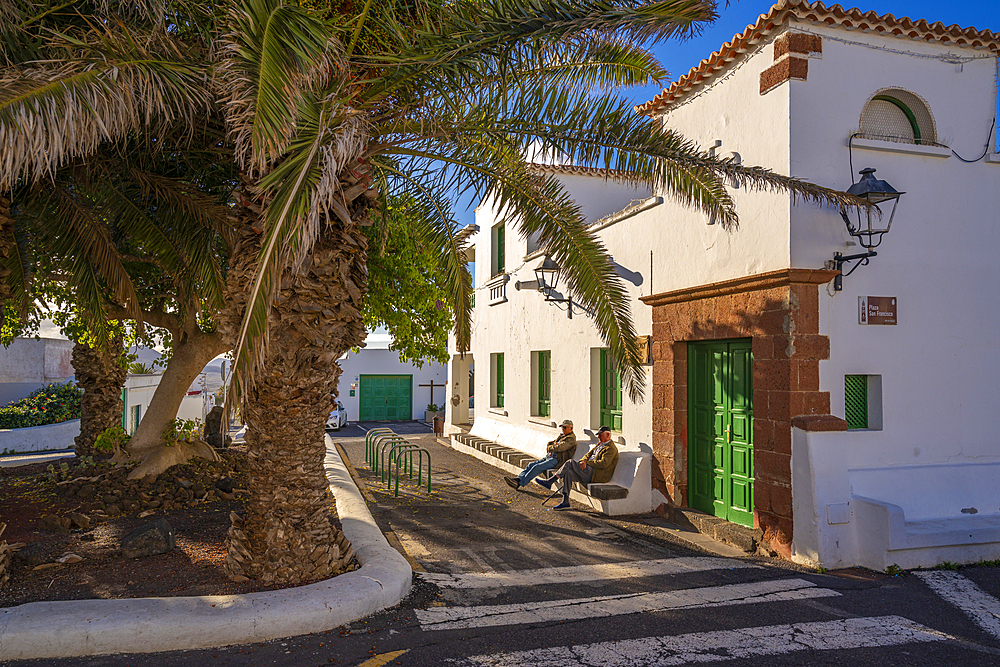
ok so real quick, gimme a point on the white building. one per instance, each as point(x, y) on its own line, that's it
point(375, 385)
point(28, 364)
point(775, 401)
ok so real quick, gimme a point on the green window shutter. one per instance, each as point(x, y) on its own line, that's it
point(856, 400)
point(501, 250)
point(544, 383)
point(611, 393)
point(499, 396)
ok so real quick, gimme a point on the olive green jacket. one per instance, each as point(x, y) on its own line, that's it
point(562, 447)
point(604, 463)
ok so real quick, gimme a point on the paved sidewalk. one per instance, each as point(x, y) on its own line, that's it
point(27, 458)
point(473, 521)
point(95, 627)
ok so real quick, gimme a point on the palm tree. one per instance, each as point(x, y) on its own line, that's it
point(330, 110)
point(141, 227)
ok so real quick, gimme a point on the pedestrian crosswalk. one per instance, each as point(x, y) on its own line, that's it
point(976, 603)
point(752, 642)
point(846, 632)
point(558, 575)
point(451, 618)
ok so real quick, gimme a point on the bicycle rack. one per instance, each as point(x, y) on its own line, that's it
point(377, 442)
point(369, 440)
point(408, 450)
point(383, 446)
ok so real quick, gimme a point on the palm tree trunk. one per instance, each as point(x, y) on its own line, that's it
point(102, 374)
point(7, 243)
point(285, 535)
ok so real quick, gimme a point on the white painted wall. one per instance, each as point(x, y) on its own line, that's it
point(28, 364)
point(939, 365)
point(39, 438)
point(526, 323)
point(687, 250)
point(386, 362)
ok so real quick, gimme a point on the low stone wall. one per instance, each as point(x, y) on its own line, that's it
point(39, 438)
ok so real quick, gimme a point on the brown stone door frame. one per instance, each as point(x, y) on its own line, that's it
point(779, 311)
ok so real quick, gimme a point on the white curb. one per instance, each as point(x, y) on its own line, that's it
point(148, 625)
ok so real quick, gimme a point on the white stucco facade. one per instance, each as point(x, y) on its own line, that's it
point(902, 491)
point(386, 362)
point(28, 364)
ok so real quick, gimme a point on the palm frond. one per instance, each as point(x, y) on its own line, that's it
point(273, 54)
point(121, 82)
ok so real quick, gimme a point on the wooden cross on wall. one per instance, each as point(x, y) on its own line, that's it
point(432, 385)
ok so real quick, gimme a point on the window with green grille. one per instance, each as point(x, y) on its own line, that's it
point(498, 380)
point(611, 393)
point(499, 238)
point(544, 361)
point(856, 400)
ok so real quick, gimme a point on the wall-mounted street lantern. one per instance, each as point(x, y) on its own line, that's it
point(868, 226)
point(546, 280)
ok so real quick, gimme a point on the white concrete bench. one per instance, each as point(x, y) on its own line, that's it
point(922, 516)
point(614, 498)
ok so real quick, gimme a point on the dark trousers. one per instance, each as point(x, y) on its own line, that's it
point(571, 472)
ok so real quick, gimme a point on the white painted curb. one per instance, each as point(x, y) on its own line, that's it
point(148, 625)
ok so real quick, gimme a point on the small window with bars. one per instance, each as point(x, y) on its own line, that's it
point(543, 382)
point(863, 402)
point(900, 116)
point(856, 401)
point(497, 379)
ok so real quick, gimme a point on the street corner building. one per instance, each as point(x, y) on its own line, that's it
point(822, 377)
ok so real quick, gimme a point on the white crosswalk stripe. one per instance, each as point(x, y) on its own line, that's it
point(451, 618)
point(977, 604)
point(555, 575)
point(871, 632)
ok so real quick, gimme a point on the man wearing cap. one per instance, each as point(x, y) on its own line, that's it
point(558, 451)
point(596, 467)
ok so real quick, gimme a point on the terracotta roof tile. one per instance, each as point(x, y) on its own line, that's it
point(817, 12)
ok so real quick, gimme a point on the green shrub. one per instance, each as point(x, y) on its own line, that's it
point(112, 440)
point(51, 404)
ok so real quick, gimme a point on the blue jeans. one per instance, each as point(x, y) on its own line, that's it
point(536, 468)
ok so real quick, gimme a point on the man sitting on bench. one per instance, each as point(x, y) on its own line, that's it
point(557, 452)
point(596, 467)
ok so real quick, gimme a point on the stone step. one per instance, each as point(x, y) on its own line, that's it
point(748, 539)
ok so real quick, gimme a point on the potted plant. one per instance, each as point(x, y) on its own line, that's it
point(433, 410)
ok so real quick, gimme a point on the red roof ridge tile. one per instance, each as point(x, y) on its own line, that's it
point(832, 16)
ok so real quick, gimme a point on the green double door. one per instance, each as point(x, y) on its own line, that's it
point(386, 397)
point(720, 429)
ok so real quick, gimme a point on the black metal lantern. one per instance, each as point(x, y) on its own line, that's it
point(868, 225)
point(546, 280)
point(547, 275)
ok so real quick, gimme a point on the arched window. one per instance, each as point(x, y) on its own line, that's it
point(897, 115)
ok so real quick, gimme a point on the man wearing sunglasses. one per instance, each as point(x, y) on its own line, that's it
point(557, 452)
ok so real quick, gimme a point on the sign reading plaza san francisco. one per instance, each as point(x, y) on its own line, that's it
point(876, 310)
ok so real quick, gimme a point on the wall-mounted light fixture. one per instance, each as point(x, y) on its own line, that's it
point(868, 226)
point(546, 280)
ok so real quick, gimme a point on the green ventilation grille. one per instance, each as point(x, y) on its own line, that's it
point(856, 400)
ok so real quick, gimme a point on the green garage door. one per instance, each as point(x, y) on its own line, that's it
point(386, 397)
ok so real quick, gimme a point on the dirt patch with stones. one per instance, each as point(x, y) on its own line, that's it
point(65, 522)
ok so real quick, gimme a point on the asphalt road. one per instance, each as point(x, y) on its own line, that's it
point(502, 580)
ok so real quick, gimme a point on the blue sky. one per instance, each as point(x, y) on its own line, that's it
point(680, 57)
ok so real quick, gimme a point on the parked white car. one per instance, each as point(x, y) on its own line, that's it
point(337, 418)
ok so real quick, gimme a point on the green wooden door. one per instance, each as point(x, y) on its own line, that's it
point(611, 393)
point(720, 429)
point(386, 397)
